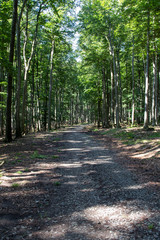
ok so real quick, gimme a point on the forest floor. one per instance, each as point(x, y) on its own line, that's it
point(81, 183)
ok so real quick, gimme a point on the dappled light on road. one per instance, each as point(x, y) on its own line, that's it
point(77, 190)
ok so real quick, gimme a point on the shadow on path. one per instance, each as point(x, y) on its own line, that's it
point(86, 196)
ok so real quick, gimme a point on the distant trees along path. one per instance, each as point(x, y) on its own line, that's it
point(110, 77)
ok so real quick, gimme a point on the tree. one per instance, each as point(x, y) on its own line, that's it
point(50, 85)
point(10, 74)
point(18, 123)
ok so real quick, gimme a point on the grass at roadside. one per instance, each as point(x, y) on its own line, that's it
point(136, 143)
point(131, 136)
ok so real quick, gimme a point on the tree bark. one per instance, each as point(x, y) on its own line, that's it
point(104, 103)
point(120, 87)
point(50, 85)
point(112, 52)
point(156, 90)
point(1, 100)
point(8, 136)
point(147, 76)
point(133, 84)
point(18, 127)
point(112, 95)
point(27, 64)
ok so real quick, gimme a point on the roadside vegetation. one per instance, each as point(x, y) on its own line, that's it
point(141, 146)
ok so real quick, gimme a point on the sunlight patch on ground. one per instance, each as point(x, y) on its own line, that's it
point(4, 156)
point(69, 176)
point(116, 216)
point(73, 141)
point(88, 190)
point(73, 149)
point(71, 183)
point(56, 230)
point(69, 165)
point(96, 148)
point(135, 187)
point(46, 166)
point(147, 154)
point(143, 185)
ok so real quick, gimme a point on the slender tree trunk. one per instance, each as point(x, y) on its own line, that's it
point(112, 95)
point(45, 102)
point(56, 105)
point(116, 93)
point(109, 38)
point(33, 96)
point(1, 100)
point(147, 77)
point(104, 104)
point(153, 95)
point(27, 64)
point(120, 86)
point(133, 85)
point(99, 105)
point(156, 90)
point(139, 90)
point(158, 86)
point(71, 111)
point(108, 97)
point(8, 136)
point(18, 127)
point(50, 86)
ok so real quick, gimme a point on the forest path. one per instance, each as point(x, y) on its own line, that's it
point(81, 193)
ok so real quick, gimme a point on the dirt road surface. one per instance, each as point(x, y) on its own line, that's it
point(79, 192)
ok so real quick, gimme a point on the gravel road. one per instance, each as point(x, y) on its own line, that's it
point(97, 198)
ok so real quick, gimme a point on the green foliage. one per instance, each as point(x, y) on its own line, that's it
point(95, 130)
point(125, 135)
point(19, 160)
point(151, 226)
point(57, 183)
point(13, 162)
point(77, 74)
point(15, 185)
point(26, 170)
point(112, 131)
point(37, 155)
point(154, 135)
point(19, 172)
point(56, 139)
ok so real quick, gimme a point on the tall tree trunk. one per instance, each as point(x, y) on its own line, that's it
point(104, 103)
point(139, 90)
point(133, 84)
point(8, 136)
point(1, 100)
point(45, 102)
point(108, 97)
point(112, 95)
point(27, 63)
point(120, 86)
point(147, 76)
point(153, 95)
point(33, 97)
point(99, 103)
point(18, 127)
point(112, 52)
point(50, 86)
point(156, 90)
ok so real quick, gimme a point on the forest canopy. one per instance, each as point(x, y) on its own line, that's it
point(69, 62)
